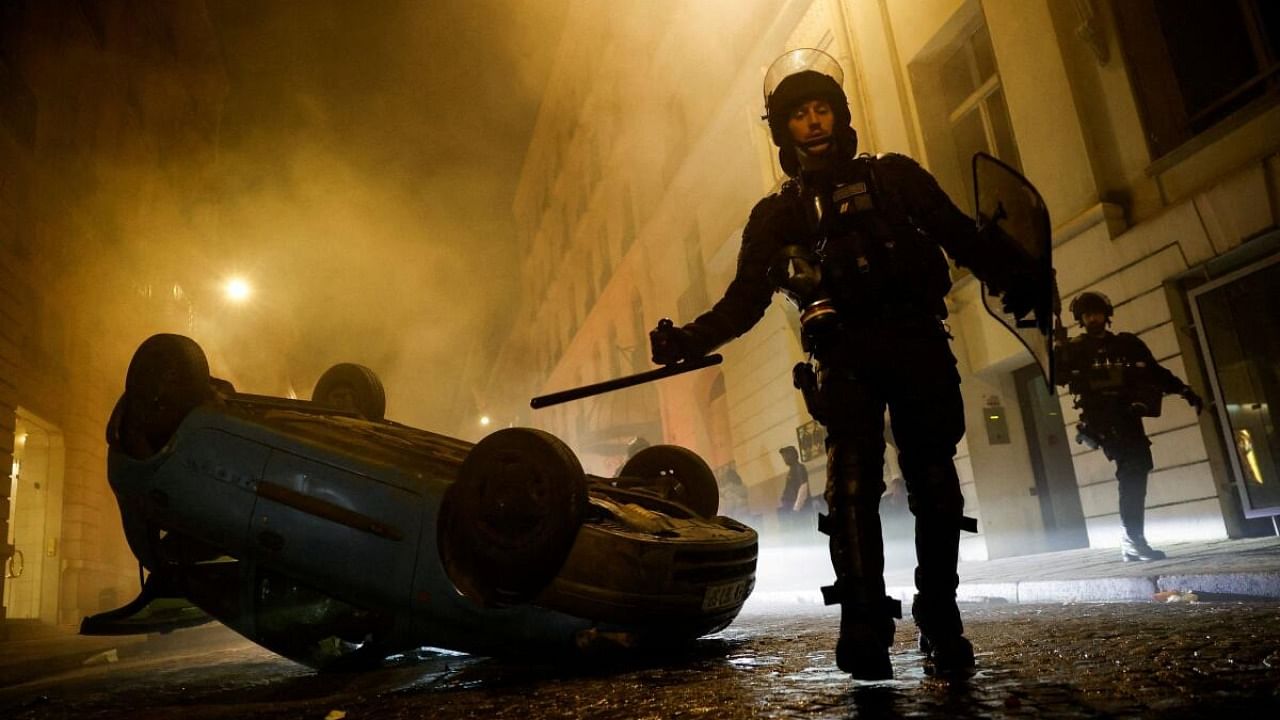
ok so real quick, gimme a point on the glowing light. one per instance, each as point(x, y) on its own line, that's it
point(237, 289)
point(484, 421)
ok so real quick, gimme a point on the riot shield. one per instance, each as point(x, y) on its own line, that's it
point(1013, 223)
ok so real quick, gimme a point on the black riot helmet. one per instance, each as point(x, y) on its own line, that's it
point(1090, 302)
point(795, 78)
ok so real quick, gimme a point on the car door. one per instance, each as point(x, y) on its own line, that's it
point(207, 490)
point(342, 532)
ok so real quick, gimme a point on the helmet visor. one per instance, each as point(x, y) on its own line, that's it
point(799, 60)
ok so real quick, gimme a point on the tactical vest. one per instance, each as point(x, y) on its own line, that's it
point(877, 264)
point(1109, 376)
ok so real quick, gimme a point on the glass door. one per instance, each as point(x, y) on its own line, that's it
point(1239, 320)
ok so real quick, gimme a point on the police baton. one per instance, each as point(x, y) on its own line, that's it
point(585, 391)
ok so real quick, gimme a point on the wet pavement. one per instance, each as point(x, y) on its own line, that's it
point(1073, 660)
point(1219, 569)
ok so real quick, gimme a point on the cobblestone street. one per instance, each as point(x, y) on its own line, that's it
point(1083, 660)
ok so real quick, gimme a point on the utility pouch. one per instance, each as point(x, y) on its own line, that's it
point(805, 380)
point(1145, 400)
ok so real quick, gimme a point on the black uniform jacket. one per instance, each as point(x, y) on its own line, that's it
point(910, 206)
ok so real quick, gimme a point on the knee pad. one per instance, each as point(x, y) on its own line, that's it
point(855, 474)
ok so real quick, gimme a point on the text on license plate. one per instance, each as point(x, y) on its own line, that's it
point(722, 596)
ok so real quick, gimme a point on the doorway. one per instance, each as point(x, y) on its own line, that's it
point(35, 521)
point(1055, 475)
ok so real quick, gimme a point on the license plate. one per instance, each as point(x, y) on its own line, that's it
point(723, 596)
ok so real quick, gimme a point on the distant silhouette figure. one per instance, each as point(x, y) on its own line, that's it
point(733, 493)
point(795, 507)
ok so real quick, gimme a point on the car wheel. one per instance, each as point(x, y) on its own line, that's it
point(681, 475)
point(348, 386)
point(508, 522)
point(167, 379)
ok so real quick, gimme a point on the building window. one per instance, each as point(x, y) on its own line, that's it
point(962, 110)
point(977, 114)
point(1193, 63)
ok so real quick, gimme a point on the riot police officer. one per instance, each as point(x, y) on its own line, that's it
point(1116, 382)
point(856, 243)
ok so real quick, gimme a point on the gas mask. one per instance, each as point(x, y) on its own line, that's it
point(796, 272)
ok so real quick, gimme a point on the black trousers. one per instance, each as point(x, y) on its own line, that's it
point(1124, 442)
point(1128, 446)
point(914, 376)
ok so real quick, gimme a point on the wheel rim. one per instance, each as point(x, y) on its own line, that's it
point(507, 524)
point(680, 474)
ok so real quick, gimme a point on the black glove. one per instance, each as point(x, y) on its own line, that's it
point(671, 344)
point(1020, 294)
point(1192, 399)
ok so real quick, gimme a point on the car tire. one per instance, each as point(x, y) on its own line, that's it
point(168, 377)
point(682, 476)
point(508, 523)
point(348, 386)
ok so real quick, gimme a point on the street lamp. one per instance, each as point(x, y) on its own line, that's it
point(237, 289)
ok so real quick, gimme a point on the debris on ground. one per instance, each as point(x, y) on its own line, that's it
point(106, 656)
point(1176, 596)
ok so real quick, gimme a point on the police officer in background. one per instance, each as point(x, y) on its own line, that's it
point(856, 243)
point(1116, 382)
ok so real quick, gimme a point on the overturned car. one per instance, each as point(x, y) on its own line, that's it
point(336, 538)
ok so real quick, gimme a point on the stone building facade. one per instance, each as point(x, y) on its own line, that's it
point(108, 139)
point(1155, 148)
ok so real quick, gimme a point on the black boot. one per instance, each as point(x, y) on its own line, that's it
point(1136, 548)
point(866, 634)
point(866, 615)
point(1132, 466)
point(947, 652)
point(863, 647)
point(952, 656)
point(854, 486)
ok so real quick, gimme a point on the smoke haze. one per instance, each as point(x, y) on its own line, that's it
point(368, 157)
